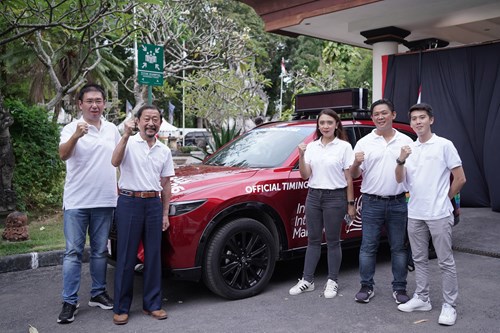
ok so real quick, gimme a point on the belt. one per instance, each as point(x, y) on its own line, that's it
point(326, 189)
point(386, 197)
point(140, 194)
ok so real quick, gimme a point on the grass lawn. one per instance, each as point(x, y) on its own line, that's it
point(45, 234)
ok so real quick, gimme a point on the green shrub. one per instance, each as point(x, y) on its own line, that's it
point(222, 136)
point(188, 149)
point(39, 172)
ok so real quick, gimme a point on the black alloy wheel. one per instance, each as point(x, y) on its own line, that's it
point(240, 259)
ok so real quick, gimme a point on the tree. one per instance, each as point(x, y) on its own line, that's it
point(195, 36)
point(267, 50)
point(220, 45)
point(52, 30)
point(70, 39)
point(7, 194)
point(340, 66)
point(353, 65)
point(303, 61)
point(222, 95)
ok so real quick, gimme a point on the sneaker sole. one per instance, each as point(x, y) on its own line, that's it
point(421, 309)
point(102, 306)
point(301, 292)
point(329, 296)
point(311, 288)
point(446, 323)
point(365, 300)
point(69, 320)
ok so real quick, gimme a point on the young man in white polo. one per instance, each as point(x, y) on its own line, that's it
point(425, 166)
point(89, 199)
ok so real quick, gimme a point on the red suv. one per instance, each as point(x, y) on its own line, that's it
point(242, 209)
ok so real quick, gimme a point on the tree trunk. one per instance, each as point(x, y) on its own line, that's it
point(7, 194)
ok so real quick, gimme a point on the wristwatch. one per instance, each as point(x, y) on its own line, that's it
point(350, 202)
point(399, 162)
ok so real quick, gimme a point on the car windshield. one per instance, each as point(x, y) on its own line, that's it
point(266, 147)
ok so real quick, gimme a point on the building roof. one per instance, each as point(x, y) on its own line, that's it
point(452, 22)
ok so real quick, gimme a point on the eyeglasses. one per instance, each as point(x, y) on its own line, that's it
point(92, 101)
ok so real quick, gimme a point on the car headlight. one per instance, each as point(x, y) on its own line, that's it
point(183, 207)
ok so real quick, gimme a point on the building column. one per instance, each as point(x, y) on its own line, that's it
point(385, 41)
point(380, 49)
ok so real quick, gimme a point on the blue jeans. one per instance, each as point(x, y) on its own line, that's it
point(393, 214)
point(76, 223)
point(324, 209)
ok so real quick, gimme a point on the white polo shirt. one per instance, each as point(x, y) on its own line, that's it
point(142, 167)
point(328, 163)
point(380, 162)
point(90, 176)
point(428, 171)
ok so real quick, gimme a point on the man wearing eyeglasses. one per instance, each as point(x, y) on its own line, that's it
point(89, 199)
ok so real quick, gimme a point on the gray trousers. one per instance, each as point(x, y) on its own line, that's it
point(440, 230)
point(324, 209)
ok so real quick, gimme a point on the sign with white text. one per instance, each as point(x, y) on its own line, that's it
point(150, 64)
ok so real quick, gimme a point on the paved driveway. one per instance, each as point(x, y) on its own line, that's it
point(33, 297)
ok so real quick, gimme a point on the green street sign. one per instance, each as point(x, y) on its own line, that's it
point(150, 64)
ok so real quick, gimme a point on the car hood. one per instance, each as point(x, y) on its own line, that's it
point(195, 178)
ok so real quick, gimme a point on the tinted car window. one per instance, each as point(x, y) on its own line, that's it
point(261, 148)
point(355, 133)
point(193, 138)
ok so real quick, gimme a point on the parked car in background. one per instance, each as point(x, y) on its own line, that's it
point(199, 138)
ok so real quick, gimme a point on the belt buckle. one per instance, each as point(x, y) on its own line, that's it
point(144, 195)
point(385, 197)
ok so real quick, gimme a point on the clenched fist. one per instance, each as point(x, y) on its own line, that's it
point(405, 152)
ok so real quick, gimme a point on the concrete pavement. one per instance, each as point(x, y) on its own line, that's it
point(32, 297)
point(477, 233)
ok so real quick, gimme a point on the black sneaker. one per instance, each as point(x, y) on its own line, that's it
point(68, 313)
point(364, 294)
point(400, 296)
point(102, 300)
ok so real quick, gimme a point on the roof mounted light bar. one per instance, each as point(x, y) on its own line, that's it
point(342, 101)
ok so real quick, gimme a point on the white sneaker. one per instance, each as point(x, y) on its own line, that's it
point(330, 289)
point(415, 304)
point(301, 286)
point(448, 315)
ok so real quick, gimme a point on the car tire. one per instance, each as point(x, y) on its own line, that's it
point(240, 259)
